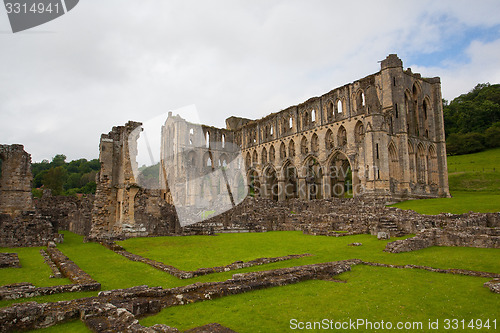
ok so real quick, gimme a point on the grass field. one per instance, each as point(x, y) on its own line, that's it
point(370, 292)
point(474, 181)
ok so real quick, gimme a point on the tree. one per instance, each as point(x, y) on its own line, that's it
point(58, 160)
point(54, 179)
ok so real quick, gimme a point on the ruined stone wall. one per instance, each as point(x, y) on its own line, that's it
point(27, 229)
point(15, 180)
point(387, 128)
point(20, 225)
point(337, 217)
point(122, 208)
point(67, 213)
point(484, 237)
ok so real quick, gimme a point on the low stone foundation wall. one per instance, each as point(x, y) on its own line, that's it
point(56, 273)
point(82, 281)
point(66, 212)
point(26, 229)
point(9, 260)
point(333, 217)
point(117, 310)
point(469, 237)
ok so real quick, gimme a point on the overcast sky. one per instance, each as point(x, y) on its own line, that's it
point(105, 62)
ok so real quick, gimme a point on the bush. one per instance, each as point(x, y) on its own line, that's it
point(458, 144)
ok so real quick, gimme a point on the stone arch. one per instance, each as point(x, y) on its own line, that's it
point(271, 183)
point(305, 119)
point(416, 98)
point(248, 160)
point(314, 143)
point(223, 160)
point(282, 151)
point(411, 115)
point(339, 176)
point(340, 106)
point(360, 101)
point(291, 149)
point(207, 160)
point(432, 166)
point(272, 154)
point(255, 157)
point(330, 110)
point(342, 136)
point(241, 190)
point(426, 111)
point(421, 164)
point(313, 175)
point(359, 132)
point(413, 162)
point(191, 160)
point(263, 156)
point(289, 174)
point(329, 142)
point(253, 182)
point(207, 139)
point(393, 164)
point(304, 150)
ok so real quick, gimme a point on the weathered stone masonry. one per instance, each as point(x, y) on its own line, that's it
point(121, 207)
point(20, 225)
point(387, 129)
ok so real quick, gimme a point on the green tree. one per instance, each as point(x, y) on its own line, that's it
point(58, 160)
point(54, 180)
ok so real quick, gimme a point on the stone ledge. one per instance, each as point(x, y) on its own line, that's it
point(178, 273)
point(56, 273)
point(116, 310)
point(82, 281)
point(9, 260)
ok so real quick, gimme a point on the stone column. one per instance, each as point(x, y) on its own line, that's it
point(302, 188)
point(327, 191)
point(281, 190)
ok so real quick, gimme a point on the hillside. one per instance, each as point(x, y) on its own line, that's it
point(474, 181)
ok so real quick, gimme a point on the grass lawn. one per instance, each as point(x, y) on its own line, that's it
point(372, 293)
point(461, 202)
point(474, 182)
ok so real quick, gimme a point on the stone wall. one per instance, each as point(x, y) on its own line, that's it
point(485, 237)
point(15, 180)
point(8, 260)
point(117, 310)
point(66, 212)
point(27, 229)
point(121, 207)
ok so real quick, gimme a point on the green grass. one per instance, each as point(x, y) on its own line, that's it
point(488, 160)
point(371, 292)
point(474, 182)
point(461, 202)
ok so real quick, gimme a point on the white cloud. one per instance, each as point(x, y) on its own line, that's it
point(459, 78)
point(105, 63)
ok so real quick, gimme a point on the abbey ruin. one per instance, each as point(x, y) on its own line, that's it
point(387, 128)
point(379, 138)
point(325, 167)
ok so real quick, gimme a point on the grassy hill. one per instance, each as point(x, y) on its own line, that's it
point(474, 181)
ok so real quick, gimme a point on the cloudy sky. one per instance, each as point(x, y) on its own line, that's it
point(64, 83)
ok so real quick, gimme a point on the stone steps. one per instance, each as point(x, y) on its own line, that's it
point(391, 227)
